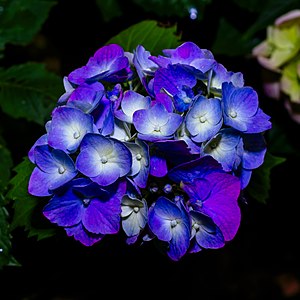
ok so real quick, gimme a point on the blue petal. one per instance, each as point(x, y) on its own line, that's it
point(64, 210)
point(68, 127)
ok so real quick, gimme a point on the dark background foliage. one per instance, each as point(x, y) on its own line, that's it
point(262, 262)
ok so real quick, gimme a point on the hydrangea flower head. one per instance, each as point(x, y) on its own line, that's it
point(153, 148)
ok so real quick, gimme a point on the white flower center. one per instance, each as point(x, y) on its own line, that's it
point(202, 119)
point(233, 114)
point(173, 223)
point(61, 170)
point(157, 128)
point(196, 226)
point(138, 156)
point(136, 209)
point(76, 135)
point(104, 159)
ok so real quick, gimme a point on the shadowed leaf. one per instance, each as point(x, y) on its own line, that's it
point(29, 91)
point(149, 34)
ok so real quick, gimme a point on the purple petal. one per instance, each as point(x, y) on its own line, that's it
point(197, 168)
point(83, 236)
point(222, 205)
point(158, 166)
point(104, 215)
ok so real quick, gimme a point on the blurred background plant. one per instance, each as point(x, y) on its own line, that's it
point(279, 55)
point(43, 40)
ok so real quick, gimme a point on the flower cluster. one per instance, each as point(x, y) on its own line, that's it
point(151, 147)
point(280, 54)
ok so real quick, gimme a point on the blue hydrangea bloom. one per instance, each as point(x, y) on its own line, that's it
point(205, 233)
point(176, 82)
point(171, 223)
point(68, 127)
point(241, 109)
point(204, 119)
point(157, 148)
point(103, 159)
point(53, 169)
point(226, 147)
point(156, 123)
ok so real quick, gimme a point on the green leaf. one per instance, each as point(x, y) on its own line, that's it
point(6, 258)
point(149, 34)
point(109, 9)
point(260, 182)
point(27, 208)
point(229, 41)
point(20, 20)
point(6, 164)
point(29, 91)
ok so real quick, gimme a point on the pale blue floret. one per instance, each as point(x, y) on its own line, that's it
point(226, 147)
point(68, 127)
point(205, 233)
point(156, 123)
point(54, 168)
point(241, 109)
point(204, 119)
point(170, 223)
point(103, 159)
point(140, 162)
point(134, 215)
point(131, 102)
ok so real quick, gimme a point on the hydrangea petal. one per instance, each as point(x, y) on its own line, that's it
point(68, 127)
point(84, 237)
point(64, 210)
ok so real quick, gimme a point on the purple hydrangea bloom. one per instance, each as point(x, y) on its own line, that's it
point(178, 153)
point(87, 211)
point(109, 63)
point(53, 169)
point(253, 156)
point(86, 97)
point(103, 159)
point(216, 196)
point(42, 140)
point(188, 54)
point(176, 82)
